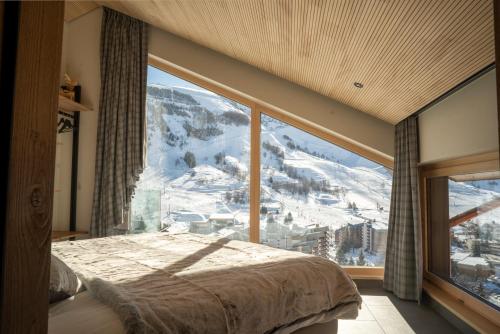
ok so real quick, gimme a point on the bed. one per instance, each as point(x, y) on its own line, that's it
point(187, 283)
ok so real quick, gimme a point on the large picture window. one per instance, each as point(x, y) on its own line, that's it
point(313, 196)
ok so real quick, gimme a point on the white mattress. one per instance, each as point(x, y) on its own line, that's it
point(84, 314)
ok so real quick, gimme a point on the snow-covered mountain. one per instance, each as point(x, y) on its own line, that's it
point(200, 122)
point(199, 151)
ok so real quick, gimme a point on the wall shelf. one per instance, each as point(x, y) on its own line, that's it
point(67, 105)
point(63, 235)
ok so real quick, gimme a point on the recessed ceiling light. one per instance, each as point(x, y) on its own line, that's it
point(358, 85)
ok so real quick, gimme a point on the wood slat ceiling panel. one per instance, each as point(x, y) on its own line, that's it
point(406, 53)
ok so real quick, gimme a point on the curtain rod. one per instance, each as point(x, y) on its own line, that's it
point(455, 89)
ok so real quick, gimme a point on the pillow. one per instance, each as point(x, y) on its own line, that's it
point(63, 281)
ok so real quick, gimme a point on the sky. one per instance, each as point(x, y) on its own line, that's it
point(156, 76)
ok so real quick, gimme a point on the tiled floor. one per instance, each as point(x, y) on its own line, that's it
point(383, 313)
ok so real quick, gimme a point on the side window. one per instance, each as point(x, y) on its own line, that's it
point(464, 233)
point(474, 227)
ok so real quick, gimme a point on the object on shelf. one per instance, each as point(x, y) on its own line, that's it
point(67, 105)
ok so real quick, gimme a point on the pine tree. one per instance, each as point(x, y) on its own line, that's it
point(190, 159)
point(219, 158)
point(361, 258)
point(342, 250)
point(340, 255)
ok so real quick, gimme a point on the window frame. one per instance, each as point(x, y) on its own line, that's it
point(257, 109)
point(476, 313)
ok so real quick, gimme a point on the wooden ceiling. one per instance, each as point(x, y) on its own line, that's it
point(405, 53)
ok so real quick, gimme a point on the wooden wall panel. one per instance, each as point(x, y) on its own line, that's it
point(497, 57)
point(26, 253)
point(5, 80)
point(255, 176)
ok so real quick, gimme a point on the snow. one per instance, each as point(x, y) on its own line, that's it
point(474, 261)
point(221, 216)
point(458, 256)
point(189, 217)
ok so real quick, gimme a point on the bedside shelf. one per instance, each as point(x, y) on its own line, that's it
point(62, 235)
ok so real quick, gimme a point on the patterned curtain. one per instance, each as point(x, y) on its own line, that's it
point(121, 128)
point(403, 263)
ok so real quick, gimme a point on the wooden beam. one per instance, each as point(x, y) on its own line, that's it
point(255, 177)
point(496, 20)
point(2, 9)
point(474, 212)
point(30, 162)
point(439, 232)
point(483, 162)
point(365, 273)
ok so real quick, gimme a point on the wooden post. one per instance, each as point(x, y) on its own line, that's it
point(30, 159)
point(255, 176)
point(496, 19)
point(439, 231)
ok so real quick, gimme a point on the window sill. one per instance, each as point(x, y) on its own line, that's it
point(465, 308)
point(365, 273)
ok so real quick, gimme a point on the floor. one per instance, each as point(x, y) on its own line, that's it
point(383, 313)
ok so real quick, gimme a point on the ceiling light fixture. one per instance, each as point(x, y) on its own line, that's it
point(358, 85)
